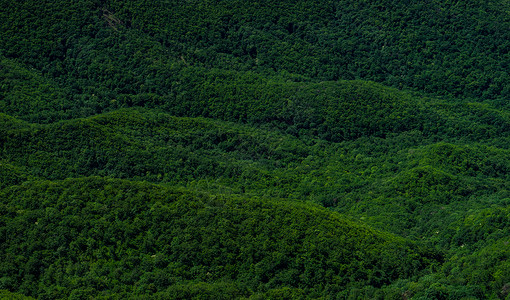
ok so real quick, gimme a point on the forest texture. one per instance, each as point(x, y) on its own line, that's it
point(254, 150)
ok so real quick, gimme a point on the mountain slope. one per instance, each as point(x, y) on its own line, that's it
point(106, 235)
point(194, 140)
point(108, 48)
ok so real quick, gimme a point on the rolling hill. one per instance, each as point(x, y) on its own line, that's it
point(254, 150)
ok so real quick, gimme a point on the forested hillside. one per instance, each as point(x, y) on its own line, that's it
point(254, 150)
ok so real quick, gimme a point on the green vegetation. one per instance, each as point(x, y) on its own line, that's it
point(99, 236)
point(229, 150)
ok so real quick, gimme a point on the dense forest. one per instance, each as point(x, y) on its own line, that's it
point(207, 149)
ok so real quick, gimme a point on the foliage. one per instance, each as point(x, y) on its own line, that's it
point(182, 149)
point(99, 237)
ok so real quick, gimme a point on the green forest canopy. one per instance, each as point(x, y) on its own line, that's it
point(223, 149)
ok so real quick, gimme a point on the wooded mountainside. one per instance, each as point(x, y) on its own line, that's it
point(206, 149)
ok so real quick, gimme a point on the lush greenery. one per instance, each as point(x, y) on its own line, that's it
point(99, 237)
point(227, 149)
